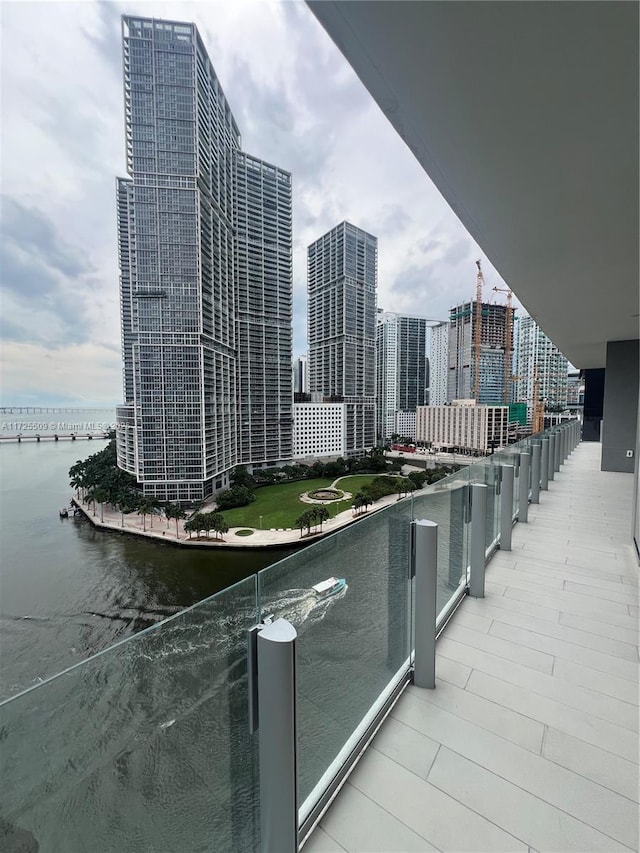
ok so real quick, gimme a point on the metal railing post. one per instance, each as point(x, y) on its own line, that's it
point(552, 456)
point(277, 735)
point(556, 457)
point(425, 562)
point(506, 508)
point(523, 499)
point(478, 539)
point(535, 473)
point(544, 464)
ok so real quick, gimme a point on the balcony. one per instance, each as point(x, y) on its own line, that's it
point(529, 739)
point(166, 741)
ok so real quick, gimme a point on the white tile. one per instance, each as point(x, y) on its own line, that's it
point(530, 818)
point(574, 636)
point(568, 602)
point(453, 672)
point(321, 842)
point(358, 824)
point(489, 716)
point(406, 746)
point(600, 732)
point(441, 819)
point(610, 770)
point(623, 667)
point(550, 614)
point(625, 634)
point(585, 800)
point(626, 595)
point(624, 689)
point(525, 579)
point(500, 648)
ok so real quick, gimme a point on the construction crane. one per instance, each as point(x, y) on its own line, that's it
point(477, 333)
point(508, 343)
point(537, 421)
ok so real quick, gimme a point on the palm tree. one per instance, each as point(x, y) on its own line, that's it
point(174, 511)
point(145, 507)
point(321, 514)
point(101, 495)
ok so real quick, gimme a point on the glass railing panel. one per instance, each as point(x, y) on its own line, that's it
point(445, 503)
point(487, 472)
point(352, 644)
point(142, 747)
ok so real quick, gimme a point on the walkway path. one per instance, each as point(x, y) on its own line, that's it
point(530, 739)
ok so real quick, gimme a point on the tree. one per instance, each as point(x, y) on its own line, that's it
point(300, 523)
point(174, 511)
point(321, 514)
point(219, 524)
point(100, 494)
point(237, 496)
point(241, 477)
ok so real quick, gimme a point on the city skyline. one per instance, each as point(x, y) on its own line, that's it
point(291, 92)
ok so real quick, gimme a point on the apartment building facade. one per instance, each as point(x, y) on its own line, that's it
point(204, 238)
point(401, 368)
point(463, 426)
point(342, 274)
point(537, 356)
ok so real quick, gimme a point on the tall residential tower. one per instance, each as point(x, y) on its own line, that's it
point(342, 277)
point(537, 355)
point(401, 368)
point(205, 276)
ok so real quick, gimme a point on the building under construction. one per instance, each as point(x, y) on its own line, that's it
point(467, 349)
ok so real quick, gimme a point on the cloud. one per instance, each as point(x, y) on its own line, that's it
point(81, 374)
point(297, 104)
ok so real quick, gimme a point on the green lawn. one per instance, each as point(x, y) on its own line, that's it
point(280, 505)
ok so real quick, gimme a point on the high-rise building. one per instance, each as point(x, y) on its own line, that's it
point(461, 369)
point(300, 375)
point(342, 273)
point(535, 353)
point(438, 364)
point(400, 368)
point(205, 276)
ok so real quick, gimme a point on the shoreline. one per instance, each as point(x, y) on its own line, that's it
point(110, 521)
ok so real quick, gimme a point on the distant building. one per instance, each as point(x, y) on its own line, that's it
point(535, 352)
point(319, 429)
point(406, 424)
point(463, 426)
point(461, 365)
point(401, 368)
point(300, 375)
point(342, 276)
point(438, 364)
point(575, 390)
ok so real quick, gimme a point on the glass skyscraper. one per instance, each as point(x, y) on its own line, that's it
point(401, 367)
point(342, 276)
point(205, 276)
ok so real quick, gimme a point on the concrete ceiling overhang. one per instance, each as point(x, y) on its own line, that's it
point(525, 116)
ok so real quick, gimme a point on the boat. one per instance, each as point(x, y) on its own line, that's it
point(328, 587)
point(64, 512)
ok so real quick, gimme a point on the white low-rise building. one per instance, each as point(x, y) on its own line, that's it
point(463, 426)
point(406, 424)
point(319, 429)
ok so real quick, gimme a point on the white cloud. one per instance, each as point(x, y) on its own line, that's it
point(297, 104)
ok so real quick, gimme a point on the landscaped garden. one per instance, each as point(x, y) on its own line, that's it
point(279, 506)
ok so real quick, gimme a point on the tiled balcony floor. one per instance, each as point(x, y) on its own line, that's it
point(530, 739)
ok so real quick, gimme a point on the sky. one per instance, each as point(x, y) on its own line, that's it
point(298, 104)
